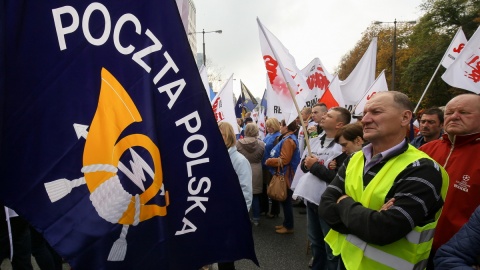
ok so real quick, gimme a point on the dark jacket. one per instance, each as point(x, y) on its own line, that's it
point(463, 250)
point(417, 201)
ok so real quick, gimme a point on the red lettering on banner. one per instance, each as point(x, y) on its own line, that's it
point(271, 64)
point(459, 48)
point(219, 116)
point(318, 79)
point(475, 65)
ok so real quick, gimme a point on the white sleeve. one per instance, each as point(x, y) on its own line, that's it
point(244, 172)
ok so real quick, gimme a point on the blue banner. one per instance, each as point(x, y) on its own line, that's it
point(108, 144)
point(239, 106)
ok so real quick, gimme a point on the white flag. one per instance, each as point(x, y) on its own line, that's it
point(273, 105)
point(456, 46)
point(261, 124)
point(318, 79)
point(223, 106)
point(282, 70)
point(204, 76)
point(379, 85)
point(333, 96)
point(362, 76)
point(464, 72)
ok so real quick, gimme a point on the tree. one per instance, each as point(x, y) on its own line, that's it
point(420, 49)
point(429, 41)
point(384, 34)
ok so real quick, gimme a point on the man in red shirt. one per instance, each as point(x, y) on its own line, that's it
point(458, 151)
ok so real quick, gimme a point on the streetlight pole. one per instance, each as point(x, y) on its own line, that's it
point(203, 41)
point(394, 53)
point(394, 46)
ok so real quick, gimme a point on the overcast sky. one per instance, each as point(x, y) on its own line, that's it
point(307, 28)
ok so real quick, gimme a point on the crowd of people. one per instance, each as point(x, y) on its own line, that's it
point(375, 196)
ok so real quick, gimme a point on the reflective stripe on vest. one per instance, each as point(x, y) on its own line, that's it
point(415, 237)
point(410, 252)
point(384, 257)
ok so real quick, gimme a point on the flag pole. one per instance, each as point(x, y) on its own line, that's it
point(428, 85)
point(307, 139)
point(289, 89)
point(436, 70)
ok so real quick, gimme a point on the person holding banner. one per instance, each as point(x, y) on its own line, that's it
point(317, 176)
point(305, 114)
point(385, 201)
point(457, 151)
point(285, 155)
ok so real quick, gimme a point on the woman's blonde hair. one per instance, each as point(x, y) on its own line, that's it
point(273, 123)
point(228, 135)
point(251, 130)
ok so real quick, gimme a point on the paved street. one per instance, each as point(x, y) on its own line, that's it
point(274, 251)
point(279, 252)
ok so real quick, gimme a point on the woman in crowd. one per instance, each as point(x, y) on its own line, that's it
point(285, 155)
point(243, 170)
point(350, 137)
point(273, 132)
point(240, 163)
point(253, 150)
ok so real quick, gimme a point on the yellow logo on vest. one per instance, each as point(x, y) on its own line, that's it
point(101, 162)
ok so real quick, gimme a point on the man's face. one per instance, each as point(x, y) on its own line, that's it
point(382, 119)
point(317, 114)
point(462, 115)
point(430, 126)
point(330, 120)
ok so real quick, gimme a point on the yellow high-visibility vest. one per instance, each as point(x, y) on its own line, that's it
point(410, 252)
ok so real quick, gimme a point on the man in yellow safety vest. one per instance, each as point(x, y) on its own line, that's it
point(385, 201)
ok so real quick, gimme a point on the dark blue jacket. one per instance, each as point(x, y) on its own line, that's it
point(463, 250)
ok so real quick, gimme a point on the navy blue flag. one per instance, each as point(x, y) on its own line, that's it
point(239, 106)
point(108, 144)
point(264, 102)
point(249, 101)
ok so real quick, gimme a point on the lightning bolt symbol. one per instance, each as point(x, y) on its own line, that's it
point(137, 163)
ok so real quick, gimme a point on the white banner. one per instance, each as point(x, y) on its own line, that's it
point(318, 79)
point(273, 105)
point(223, 106)
point(262, 130)
point(333, 96)
point(456, 46)
point(282, 70)
point(464, 72)
point(362, 76)
point(379, 85)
